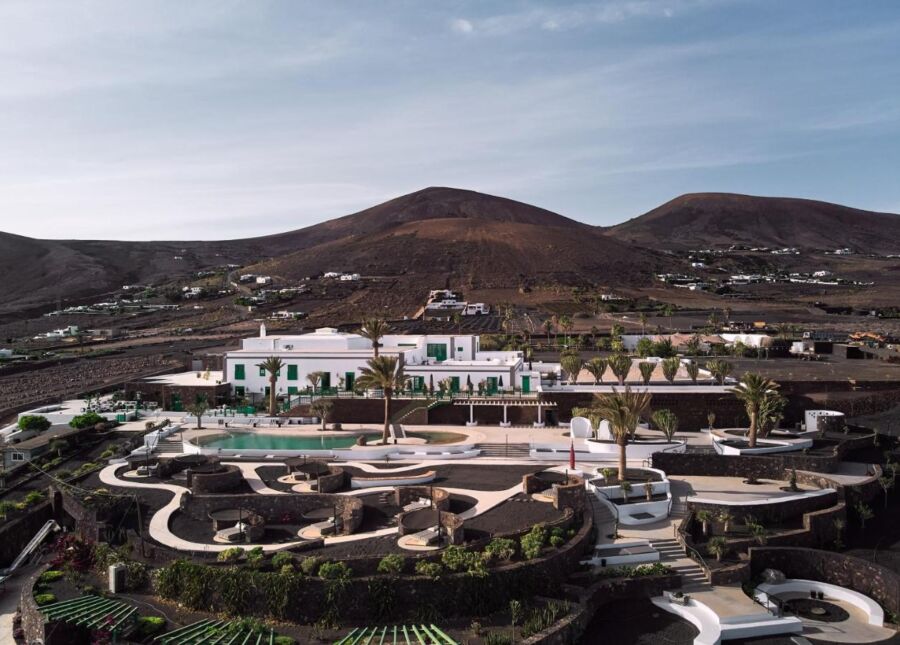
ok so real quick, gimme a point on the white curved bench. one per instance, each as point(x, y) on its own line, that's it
point(872, 609)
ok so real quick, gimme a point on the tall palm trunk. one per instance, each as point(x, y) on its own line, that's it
point(387, 417)
point(272, 401)
point(752, 433)
point(623, 462)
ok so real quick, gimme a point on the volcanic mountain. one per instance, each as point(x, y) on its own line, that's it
point(466, 238)
point(720, 219)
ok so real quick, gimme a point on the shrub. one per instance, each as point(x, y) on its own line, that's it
point(7, 507)
point(557, 541)
point(539, 619)
point(283, 559)
point(106, 454)
point(334, 571)
point(310, 565)
point(284, 640)
point(150, 625)
point(34, 497)
point(392, 563)
point(255, 557)
point(51, 575)
point(86, 420)
point(45, 598)
point(230, 555)
point(533, 541)
point(456, 558)
point(501, 549)
point(640, 571)
point(34, 422)
point(431, 570)
point(496, 638)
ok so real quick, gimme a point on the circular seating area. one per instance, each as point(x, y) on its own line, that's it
point(237, 525)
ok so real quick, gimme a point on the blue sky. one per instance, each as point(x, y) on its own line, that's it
point(171, 119)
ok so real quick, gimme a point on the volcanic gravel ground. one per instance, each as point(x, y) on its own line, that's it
point(515, 514)
point(637, 622)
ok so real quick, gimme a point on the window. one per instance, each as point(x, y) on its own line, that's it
point(262, 371)
point(239, 374)
point(18, 456)
point(239, 390)
point(292, 372)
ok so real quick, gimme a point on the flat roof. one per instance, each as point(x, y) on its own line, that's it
point(46, 437)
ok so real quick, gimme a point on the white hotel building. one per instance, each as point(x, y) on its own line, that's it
point(341, 356)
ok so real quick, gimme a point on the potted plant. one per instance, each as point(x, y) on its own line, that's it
point(626, 489)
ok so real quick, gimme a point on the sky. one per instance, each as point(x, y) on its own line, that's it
point(225, 118)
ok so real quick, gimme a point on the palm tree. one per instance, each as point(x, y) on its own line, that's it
point(668, 311)
point(726, 518)
point(314, 379)
point(198, 408)
point(596, 367)
point(273, 366)
point(456, 318)
point(620, 364)
point(384, 373)
point(666, 421)
point(693, 370)
point(373, 329)
point(571, 364)
point(753, 390)
point(719, 370)
point(547, 326)
point(566, 324)
point(718, 547)
point(670, 368)
point(58, 446)
point(321, 408)
point(623, 410)
point(646, 370)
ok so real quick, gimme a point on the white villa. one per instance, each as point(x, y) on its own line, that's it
point(340, 356)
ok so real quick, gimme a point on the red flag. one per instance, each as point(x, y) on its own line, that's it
point(572, 454)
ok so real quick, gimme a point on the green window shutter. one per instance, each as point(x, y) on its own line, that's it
point(292, 372)
point(239, 374)
point(239, 390)
point(262, 371)
point(292, 389)
point(437, 351)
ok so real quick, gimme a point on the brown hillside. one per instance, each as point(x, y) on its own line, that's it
point(720, 219)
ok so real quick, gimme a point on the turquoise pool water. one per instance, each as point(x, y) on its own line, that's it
point(261, 441)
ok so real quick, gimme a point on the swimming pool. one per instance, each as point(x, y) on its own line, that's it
point(263, 441)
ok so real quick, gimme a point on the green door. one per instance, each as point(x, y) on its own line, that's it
point(176, 403)
point(437, 351)
point(492, 384)
point(454, 384)
point(526, 384)
point(326, 380)
point(349, 381)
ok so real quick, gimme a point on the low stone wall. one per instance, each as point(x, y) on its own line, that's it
point(229, 478)
point(570, 494)
point(440, 498)
point(772, 512)
point(277, 509)
point(334, 481)
point(760, 466)
point(867, 578)
point(451, 524)
point(16, 533)
point(32, 618)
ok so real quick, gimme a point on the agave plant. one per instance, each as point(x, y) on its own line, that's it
point(646, 370)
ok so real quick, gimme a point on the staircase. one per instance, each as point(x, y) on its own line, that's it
point(502, 450)
point(604, 519)
point(172, 443)
point(672, 554)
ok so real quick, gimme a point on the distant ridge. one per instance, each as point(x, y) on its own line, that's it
point(701, 219)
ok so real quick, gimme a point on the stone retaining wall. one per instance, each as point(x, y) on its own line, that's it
point(276, 508)
point(760, 466)
point(16, 533)
point(440, 498)
point(229, 478)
